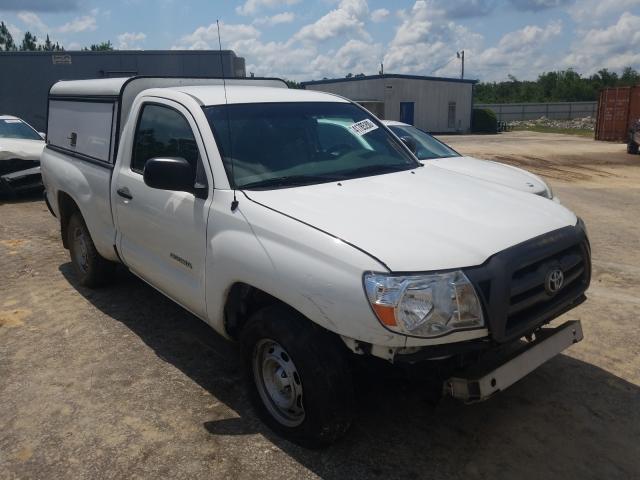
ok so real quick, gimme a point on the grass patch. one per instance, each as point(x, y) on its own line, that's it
point(565, 131)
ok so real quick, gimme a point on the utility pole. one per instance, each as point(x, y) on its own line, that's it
point(460, 55)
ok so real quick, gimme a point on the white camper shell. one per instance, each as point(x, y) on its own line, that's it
point(86, 117)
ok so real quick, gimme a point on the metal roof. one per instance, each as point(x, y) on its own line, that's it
point(116, 52)
point(116, 86)
point(215, 94)
point(93, 87)
point(389, 75)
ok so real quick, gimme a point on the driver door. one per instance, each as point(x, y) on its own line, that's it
point(161, 233)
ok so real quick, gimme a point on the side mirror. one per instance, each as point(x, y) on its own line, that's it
point(411, 143)
point(43, 135)
point(169, 174)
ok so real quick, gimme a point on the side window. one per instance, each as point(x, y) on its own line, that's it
point(163, 132)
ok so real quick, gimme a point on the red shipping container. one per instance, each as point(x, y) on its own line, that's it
point(618, 109)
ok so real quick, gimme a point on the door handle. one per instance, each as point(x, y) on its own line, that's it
point(124, 193)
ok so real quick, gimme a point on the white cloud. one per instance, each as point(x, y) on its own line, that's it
point(537, 5)
point(32, 21)
point(131, 40)
point(347, 19)
point(86, 23)
point(355, 57)
point(593, 10)
point(251, 7)
point(379, 15)
point(613, 47)
point(278, 18)
point(522, 53)
point(299, 57)
point(426, 42)
point(207, 37)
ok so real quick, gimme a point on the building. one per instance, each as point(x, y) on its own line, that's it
point(26, 77)
point(433, 104)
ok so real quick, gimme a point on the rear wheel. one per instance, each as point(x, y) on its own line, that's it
point(91, 269)
point(632, 147)
point(298, 377)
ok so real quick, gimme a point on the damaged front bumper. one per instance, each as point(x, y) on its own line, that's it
point(499, 369)
point(19, 175)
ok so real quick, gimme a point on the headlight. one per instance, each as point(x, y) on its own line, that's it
point(424, 305)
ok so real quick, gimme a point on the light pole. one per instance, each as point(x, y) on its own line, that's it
point(460, 55)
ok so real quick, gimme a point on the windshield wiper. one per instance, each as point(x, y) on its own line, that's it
point(288, 181)
point(375, 170)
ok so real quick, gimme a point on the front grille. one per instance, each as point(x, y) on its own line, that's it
point(512, 288)
point(528, 294)
point(16, 165)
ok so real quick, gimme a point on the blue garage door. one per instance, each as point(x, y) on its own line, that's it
point(406, 112)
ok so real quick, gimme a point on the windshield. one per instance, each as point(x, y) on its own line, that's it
point(275, 145)
point(14, 128)
point(427, 146)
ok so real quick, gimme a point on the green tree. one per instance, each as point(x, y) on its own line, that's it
point(29, 42)
point(560, 86)
point(629, 77)
point(100, 47)
point(6, 39)
point(293, 84)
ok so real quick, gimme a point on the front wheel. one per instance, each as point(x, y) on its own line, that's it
point(632, 147)
point(298, 376)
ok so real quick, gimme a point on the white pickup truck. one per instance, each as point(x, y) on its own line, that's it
point(298, 224)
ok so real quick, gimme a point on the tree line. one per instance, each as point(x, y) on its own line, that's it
point(30, 43)
point(560, 86)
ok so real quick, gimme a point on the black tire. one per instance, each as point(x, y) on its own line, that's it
point(321, 374)
point(632, 148)
point(91, 269)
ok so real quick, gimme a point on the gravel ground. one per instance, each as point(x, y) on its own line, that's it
point(121, 382)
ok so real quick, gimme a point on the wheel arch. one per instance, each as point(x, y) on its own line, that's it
point(67, 206)
point(242, 301)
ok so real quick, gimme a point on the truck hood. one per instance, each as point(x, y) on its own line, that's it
point(426, 219)
point(493, 172)
point(21, 149)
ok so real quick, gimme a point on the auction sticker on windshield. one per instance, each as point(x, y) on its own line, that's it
point(362, 127)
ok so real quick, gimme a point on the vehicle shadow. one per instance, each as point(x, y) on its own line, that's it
point(568, 419)
point(23, 197)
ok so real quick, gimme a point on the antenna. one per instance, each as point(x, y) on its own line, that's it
point(234, 203)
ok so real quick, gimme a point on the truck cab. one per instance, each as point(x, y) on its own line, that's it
point(237, 199)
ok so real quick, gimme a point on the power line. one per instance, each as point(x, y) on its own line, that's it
point(442, 66)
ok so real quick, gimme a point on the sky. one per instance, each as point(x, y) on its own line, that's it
point(307, 40)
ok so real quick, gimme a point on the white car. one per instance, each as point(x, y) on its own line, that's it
point(20, 149)
point(296, 223)
point(428, 148)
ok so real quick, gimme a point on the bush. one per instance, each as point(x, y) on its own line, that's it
point(484, 121)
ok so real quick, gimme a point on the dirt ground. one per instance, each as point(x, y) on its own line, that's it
point(122, 383)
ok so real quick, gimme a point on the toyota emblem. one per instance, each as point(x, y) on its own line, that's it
point(554, 281)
